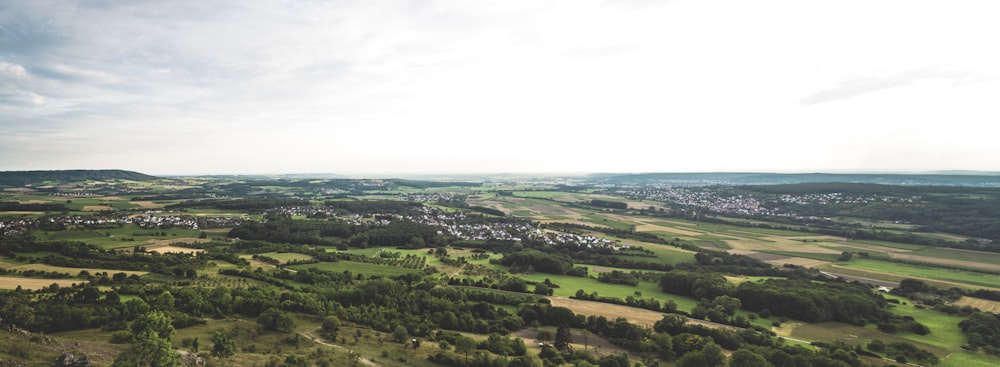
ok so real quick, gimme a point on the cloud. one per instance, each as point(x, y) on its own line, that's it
point(874, 83)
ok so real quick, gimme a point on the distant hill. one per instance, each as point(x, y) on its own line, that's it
point(761, 178)
point(21, 178)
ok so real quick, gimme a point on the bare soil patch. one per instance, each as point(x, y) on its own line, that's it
point(34, 283)
point(635, 315)
point(152, 244)
point(800, 261)
point(761, 256)
point(217, 230)
point(646, 227)
point(97, 208)
point(982, 304)
point(15, 212)
point(113, 198)
point(259, 264)
point(146, 204)
point(62, 269)
point(173, 249)
point(639, 316)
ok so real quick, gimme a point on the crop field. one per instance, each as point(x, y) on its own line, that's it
point(934, 273)
point(8, 282)
point(285, 257)
point(167, 249)
point(10, 265)
point(982, 304)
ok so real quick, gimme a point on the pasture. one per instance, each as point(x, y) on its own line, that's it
point(128, 235)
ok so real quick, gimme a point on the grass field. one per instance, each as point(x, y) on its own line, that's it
point(129, 235)
point(934, 273)
point(357, 268)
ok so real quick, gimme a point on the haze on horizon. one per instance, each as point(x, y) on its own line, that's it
point(367, 87)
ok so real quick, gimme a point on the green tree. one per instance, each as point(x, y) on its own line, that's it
point(544, 336)
point(563, 338)
point(331, 324)
point(275, 320)
point(400, 334)
point(151, 343)
point(845, 256)
point(223, 345)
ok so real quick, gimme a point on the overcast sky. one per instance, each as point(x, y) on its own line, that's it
point(379, 87)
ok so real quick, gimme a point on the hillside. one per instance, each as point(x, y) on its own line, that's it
point(21, 178)
point(21, 348)
point(761, 178)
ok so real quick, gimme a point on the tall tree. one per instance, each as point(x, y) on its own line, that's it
point(151, 343)
point(223, 345)
point(563, 338)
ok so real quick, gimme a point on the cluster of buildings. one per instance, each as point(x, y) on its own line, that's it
point(24, 226)
point(721, 201)
point(699, 197)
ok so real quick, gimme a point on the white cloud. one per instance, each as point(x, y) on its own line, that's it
point(365, 86)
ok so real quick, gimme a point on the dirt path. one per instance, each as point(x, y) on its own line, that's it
point(316, 340)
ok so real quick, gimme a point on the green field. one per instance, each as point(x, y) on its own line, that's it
point(934, 273)
point(961, 255)
point(117, 237)
point(367, 269)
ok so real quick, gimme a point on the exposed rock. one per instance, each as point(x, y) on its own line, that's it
point(69, 360)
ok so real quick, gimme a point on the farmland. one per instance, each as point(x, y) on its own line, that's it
point(393, 264)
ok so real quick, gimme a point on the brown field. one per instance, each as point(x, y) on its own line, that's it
point(34, 283)
point(97, 208)
point(639, 316)
point(113, 198)
point(152, 244)
point(63, 269)
point(20, 213)
point(800, 261)
point(173, 249)
point(217, 230)
point(982, 304)
point(146, 204)
point(635, 315)
point(257, 263)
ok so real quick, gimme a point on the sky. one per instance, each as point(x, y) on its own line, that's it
point(427, 87)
